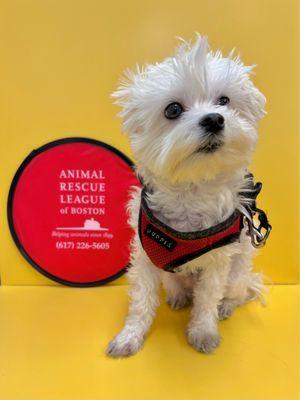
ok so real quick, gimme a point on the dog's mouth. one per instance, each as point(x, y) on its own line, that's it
point(211, 145)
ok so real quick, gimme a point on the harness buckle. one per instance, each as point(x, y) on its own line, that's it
point(258, 234)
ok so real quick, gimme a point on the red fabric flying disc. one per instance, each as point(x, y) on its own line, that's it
point(67, 211)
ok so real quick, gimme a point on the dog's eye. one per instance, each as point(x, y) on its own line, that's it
point(223, 100)
point(173, 110)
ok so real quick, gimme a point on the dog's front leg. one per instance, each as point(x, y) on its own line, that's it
point(144, 279)
point(202, 331)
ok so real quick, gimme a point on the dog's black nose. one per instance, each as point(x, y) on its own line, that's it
point(212, 123)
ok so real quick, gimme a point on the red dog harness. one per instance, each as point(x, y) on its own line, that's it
point(168, 248)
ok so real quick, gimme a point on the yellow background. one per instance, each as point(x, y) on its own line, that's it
point(60, 60)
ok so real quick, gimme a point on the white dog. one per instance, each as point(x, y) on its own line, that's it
point(192, 123)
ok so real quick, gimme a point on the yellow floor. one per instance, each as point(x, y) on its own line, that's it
point(52, 342)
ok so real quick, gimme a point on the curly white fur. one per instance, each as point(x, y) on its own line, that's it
point(190, 190)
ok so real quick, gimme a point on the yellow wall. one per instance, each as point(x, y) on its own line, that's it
point(61, 59)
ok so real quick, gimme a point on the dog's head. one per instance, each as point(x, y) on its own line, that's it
point(192, 116)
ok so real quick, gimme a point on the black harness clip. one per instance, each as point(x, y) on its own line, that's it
point(258, 233)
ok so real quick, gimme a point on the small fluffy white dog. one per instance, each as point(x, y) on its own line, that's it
point(192, 123)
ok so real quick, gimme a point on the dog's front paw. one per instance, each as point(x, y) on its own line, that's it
point(225, 309)
point(205, 342)
point(180, 300)
point(125, 344)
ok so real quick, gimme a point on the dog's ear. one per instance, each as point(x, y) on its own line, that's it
point(124, 91)
point(126, 96)
point(256, 102)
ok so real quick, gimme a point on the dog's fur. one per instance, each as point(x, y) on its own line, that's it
point(191, 189)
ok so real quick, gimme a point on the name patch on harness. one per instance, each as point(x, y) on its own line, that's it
point(160, 238)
